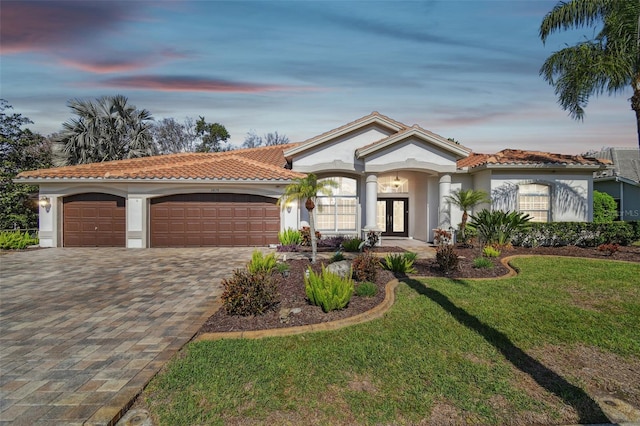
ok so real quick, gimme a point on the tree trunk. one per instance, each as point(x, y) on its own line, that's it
point(635, 103)
point(312, 231)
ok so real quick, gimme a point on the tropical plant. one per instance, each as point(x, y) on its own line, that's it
point(490, 251)
point(16, 240)
point(328, 290)
point(306, 189)
point(262, 263)
point(365, 267)
point(289, 236)
point(609, 248)
point(400, 263)
point(249, 293)
point(482, 262)
point(605, 209)
point(108, 129)
point(465, 200)
point(497, 227)
point(337, 257)
point(609, 62)
point(366, 289)
point(447, 258)
point(352, 244)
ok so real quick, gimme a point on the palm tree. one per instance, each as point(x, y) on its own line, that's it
point(109, 129)
point(307, 188)
point(610, 62)
point(465, 200)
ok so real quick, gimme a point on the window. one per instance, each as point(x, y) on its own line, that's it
point(339, 212)
point(534, 200)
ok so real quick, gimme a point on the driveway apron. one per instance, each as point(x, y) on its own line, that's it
point(83, 330)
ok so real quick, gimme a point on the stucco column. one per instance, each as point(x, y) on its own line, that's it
point(48, 219)
point(444, 209)
point(372, 201)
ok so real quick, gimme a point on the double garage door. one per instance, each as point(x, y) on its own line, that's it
point(186, 220)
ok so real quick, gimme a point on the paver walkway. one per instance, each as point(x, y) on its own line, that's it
point(83, 330)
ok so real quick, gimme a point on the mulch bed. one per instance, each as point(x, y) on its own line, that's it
point(292, 294)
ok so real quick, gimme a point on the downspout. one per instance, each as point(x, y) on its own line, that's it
point(621, 199)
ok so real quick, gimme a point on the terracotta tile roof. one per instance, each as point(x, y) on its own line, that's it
point(520, 157)
point(264, 163)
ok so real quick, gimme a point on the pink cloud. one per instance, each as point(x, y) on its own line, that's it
point(27, 26)
point(193, 84)
point(105, 66)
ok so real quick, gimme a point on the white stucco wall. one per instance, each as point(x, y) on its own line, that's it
point(571, 193)
point(411, 153)
point(338, 154)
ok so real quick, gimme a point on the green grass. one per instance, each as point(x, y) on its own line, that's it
point(452, 343)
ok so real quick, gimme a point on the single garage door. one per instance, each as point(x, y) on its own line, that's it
point(94, 220)
point(198, 220)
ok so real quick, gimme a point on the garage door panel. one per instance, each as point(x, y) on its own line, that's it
point(214, 220)
point(93, 219)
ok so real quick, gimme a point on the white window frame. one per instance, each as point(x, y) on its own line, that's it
point(536, 213)
point(333, 202)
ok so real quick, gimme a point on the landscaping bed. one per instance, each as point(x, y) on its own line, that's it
point(292, 292)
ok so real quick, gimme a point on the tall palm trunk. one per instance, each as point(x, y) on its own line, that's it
point(635, 102)
point(310, 205)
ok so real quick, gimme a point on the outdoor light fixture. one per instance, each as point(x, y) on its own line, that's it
point(396, 182)
point(46, 203)
point(288, 207)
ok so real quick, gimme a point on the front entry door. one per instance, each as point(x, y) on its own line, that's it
point(393, 217)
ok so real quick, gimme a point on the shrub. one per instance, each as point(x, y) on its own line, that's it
point(400, 263)
point(440, 237)
point(16, 240)
point(328, 290)
point(289, 236)
point(288, 248)
point(609, 248)
point(365, 267)
point(283, 268)
point(447, 258)
point(333, 242)
point(337, 257)
point(497, 227)
point(261, 263)
point(605, 209)
point(482, 262)
point(352, 244)
point(582, 234)
point(249, 293)
point(366, 289)
point(305, 233)
point(490, 251)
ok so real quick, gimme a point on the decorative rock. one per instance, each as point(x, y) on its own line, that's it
point(341, 268)
point(296, 310)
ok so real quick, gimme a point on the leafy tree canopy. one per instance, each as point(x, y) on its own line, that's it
point(20, 150)
point(108, 129)
point(607, 63)
point(212, 136)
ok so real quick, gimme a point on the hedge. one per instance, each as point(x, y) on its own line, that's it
point(582, 234)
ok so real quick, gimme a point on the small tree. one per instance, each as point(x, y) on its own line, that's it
point(605, 209)
point(465, 200)
point(253, 140)
point(212, 135)
point(306, 189)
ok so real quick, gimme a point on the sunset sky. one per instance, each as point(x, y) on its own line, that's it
point(463, 69)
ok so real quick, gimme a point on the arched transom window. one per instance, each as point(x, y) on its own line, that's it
point(338, 213)
point(534, 199)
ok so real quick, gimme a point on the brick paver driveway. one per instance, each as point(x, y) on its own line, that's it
point(83, 330)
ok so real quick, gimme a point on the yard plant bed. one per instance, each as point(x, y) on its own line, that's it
point(549, 346)
point(292, 293)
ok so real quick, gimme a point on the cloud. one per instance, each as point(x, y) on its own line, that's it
point(194, 84)
point(118, 62)
point(105, 66)
point(27, 26)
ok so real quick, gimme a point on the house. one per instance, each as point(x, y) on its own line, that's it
point(391, 177)
point(622, 181)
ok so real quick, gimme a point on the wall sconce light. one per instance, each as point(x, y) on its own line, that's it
point(45, 202)
point(288, 207)
point(397, 182)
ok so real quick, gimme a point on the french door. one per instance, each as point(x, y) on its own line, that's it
point(393, 217)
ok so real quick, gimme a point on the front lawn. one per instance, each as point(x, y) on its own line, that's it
point(535, 348)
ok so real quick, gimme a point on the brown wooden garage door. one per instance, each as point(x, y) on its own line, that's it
point(94, 220)
point(198, 220)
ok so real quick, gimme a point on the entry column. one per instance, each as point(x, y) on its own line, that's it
point(372, 201)
point(444, 213)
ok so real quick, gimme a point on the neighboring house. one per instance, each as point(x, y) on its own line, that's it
point(622, 181)
point(392, 177)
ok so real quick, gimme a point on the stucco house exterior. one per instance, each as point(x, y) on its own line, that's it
point(392, 177)
point(622, 180)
